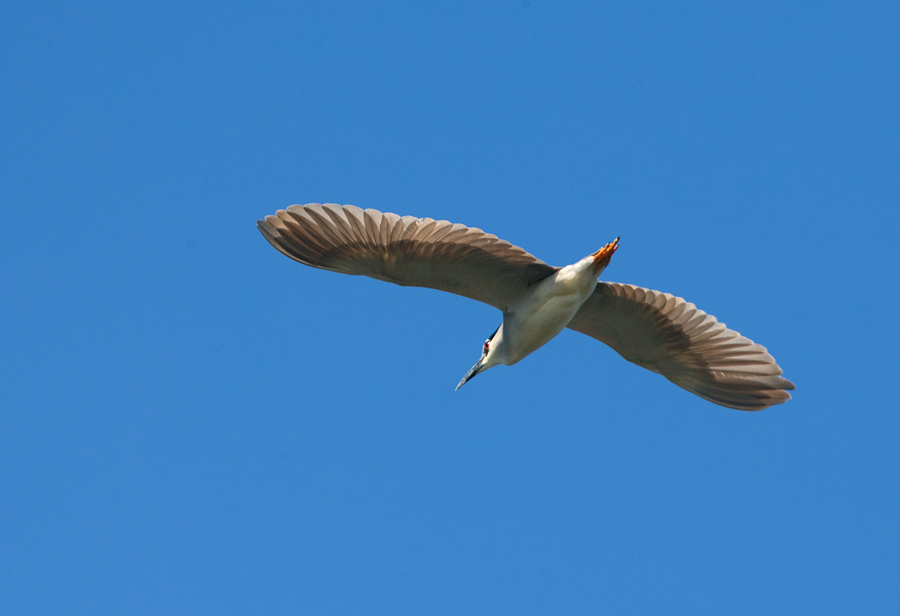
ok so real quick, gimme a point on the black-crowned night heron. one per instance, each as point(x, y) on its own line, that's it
point(655, 330)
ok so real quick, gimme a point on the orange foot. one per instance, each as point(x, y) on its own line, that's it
point(602, 256)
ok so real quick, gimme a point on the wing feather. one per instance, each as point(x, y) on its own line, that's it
point(672, 337)
point(409, 251)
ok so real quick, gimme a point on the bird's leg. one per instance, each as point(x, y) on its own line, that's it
point(602, 256)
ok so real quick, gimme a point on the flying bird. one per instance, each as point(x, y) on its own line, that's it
point(655, 330)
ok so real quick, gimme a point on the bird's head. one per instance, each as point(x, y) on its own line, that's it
point(490, 356)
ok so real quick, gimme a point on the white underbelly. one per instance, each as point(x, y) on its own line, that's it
point(530, 327)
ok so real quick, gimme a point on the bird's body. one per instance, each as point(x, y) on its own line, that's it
point(655, 330)
point(545, 310)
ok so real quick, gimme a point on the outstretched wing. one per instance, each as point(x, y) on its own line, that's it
point(672, 337)
point(409, 251)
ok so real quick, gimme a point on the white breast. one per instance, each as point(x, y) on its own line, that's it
point(543, 312)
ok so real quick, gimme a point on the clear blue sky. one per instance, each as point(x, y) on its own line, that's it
point(190, 423)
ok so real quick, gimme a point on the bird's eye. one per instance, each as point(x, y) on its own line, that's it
point(487, 344)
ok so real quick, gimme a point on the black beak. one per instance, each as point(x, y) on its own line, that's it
point(472, 372)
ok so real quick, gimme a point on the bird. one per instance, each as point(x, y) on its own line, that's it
point(655, 330)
